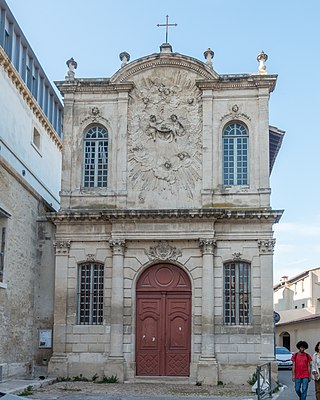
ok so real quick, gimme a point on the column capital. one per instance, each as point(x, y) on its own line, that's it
point(62, 247)
point(207, 245)
point(266, 246)
point(117, 246)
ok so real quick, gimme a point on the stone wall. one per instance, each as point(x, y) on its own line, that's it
point(19, 293)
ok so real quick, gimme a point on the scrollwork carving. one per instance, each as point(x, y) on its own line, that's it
point(235, 114)
point(90, 257)
point(237, 255)
point(94, 116)
point(163, 251)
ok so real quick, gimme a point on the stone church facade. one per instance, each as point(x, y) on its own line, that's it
point(164, 240)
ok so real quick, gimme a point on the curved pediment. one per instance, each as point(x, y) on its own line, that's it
point(164, 60)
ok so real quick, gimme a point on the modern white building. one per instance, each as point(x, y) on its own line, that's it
point(297, 300)
point(30, 178)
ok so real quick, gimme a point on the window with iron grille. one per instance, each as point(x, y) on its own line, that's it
point(237, 295)
point(90, 294)
point(95, 157)
point(235, 154)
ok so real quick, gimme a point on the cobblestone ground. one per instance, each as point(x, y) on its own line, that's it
point(78, 390)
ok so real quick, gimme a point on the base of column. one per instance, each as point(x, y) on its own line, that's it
point(115, 367)
point(208, 371)
point(58, 365)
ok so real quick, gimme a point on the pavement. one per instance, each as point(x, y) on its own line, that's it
point(15, 386)
point(43, 389)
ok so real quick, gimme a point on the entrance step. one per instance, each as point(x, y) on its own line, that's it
point(181, 380)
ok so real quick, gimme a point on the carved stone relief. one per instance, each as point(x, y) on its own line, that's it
point(235, 114)
point(94, 117)
point(266, 246)
point(163, 251)
point(237, 255)
point(62, 247)
point(164, 134)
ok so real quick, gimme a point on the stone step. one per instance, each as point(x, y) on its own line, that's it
point(163, 379)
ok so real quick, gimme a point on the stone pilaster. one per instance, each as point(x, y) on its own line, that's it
point(58, 363)
point(266, 247)
point(208, 179)
point(115, 364)
point(207, 368)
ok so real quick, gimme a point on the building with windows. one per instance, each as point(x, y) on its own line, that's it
point(30, 178)
point(164, 240)
point(297, 300)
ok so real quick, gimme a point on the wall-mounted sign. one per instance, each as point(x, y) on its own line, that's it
point(45, 338)
point(276, 317)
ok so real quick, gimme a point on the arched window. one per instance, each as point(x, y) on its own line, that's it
point(90, 294)
point(237, 293)
point(235, 154)
point(95, 157)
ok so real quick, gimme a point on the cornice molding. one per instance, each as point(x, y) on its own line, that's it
point(237, 82)
point(92, 86)
point(65, 216)
point(28, 98)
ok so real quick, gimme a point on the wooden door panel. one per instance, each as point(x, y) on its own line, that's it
point(163, 338)
point(178, 328)
point(148, 340)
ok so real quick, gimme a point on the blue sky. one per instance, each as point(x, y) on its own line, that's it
point(95, 33)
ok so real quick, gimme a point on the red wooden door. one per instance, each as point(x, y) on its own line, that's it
point(163, 322)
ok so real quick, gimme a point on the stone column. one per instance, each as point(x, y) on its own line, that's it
point(207, 369)
point(58, 364)
point(115, 364)
point(266, 247)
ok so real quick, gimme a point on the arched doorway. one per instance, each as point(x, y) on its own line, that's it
point(163, 336)
point(285, 339)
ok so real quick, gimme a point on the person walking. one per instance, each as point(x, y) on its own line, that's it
point(301, 370)
point(316, 369)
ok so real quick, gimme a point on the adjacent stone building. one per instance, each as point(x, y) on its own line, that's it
point(297, 300)
point(164, 240)
point(30, 175)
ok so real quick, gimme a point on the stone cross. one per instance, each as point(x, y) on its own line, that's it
point(167, 25)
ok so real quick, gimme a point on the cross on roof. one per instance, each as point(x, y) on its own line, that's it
point(167, 25)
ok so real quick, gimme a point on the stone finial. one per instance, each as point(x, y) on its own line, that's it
point(262, 58)
point(72, 65)
point(124, 57)
point(208, 55)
